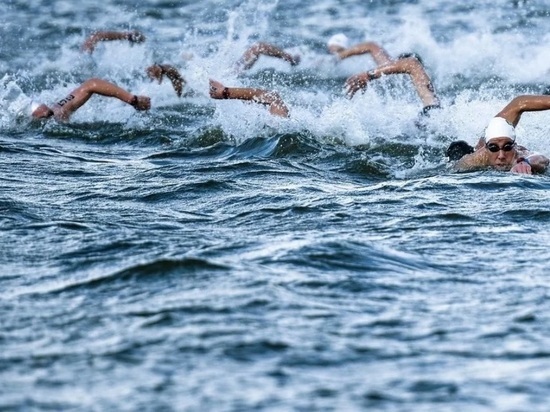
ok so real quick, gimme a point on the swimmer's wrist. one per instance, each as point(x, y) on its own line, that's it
point(134, 101)
point(523, 159)
point(225, 93)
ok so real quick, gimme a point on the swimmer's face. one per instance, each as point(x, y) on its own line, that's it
point(501, 153)
point(42, 112)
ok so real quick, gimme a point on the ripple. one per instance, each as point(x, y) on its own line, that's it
point(135, 273)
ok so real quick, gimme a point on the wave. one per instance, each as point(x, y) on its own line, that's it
point(162, 268)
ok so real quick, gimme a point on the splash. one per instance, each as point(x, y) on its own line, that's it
point(15, 105)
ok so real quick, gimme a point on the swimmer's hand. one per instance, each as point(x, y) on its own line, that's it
point(294, 60)
point(141, 102)
point(522, 166)
point(357, 82)
point(216, 89)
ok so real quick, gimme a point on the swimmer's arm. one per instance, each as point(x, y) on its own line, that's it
point(91, 42)
point(175, 78)
point(269, 98)
point(379, 55)
point(251, 56)
point(470, 162)
point(79, 96)
point(410, 66)
point(534, 163)
point(524, 103)
point(157, 71)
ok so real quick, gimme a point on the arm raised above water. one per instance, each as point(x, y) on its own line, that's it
point(378, 53)
point(268, 98)
point(158, 71)
point(411, 66)
point(78, 97)
point(91, 42)
point(251, 56)
point(525, 103)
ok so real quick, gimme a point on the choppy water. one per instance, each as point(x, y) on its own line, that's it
point(209, 257)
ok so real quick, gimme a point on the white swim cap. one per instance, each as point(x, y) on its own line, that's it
point(340, 40)
point(499, 127)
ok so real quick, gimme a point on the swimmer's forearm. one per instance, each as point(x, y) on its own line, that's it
point(274, 51)
point(242, 93)
point(109, 35)
point(379, 55)
point(109, 89)
point(174, 76)
point(524, 103)
point(268, 98)
point(470, 162)
point(132, 36)
point(253, 53)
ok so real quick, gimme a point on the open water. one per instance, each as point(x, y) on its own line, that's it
point(206, 256)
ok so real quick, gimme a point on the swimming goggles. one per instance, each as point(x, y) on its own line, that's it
point(493, 147)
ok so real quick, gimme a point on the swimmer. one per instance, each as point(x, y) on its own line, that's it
point(64, 108)
point(131, 36)
point(268, 98)
point(498, 148)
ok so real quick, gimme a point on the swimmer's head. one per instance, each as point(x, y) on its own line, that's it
point(498, 128)
point(457, 149)
point(337, 43)
point(40, 111)
point(411, 55)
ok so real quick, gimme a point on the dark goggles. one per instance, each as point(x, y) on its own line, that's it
point(493, 147)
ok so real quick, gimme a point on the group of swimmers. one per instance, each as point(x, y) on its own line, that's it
point(497, 149)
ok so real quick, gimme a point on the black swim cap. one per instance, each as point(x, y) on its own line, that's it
point(413, 55)
point(458, 149)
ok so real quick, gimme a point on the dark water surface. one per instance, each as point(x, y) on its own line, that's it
point(208, 257)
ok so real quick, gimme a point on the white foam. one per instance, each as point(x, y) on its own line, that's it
point(464, 46)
